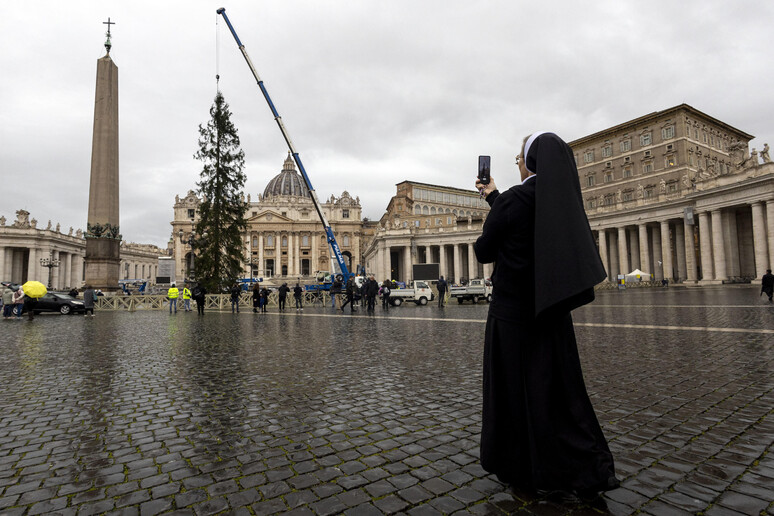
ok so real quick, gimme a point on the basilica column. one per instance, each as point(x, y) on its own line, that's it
point(644, 249)
point(472, 263)
point(457, 264)
point(705, 246)
point(634, 246)
point(442, 260)
point(666, 251)
point(759, 240)
point(603, 252)
point(718, 245)
point(289, 237)
point(680, 251)
point(658, 259)
point(623, 252)
point(261, 270)
point(387, 261)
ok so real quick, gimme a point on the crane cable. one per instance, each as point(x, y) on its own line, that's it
point(217, 53)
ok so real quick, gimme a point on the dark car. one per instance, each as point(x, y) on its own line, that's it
point(54, 302)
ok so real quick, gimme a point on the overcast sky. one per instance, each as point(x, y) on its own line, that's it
point(372, 92)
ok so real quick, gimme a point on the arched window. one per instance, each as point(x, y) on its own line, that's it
point(432, 210)
point(270, 241)
point(417, 209)
point(425, 210)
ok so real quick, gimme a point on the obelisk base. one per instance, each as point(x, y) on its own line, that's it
point(103, 262)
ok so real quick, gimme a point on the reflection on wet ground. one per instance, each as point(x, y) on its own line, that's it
point(326, 412)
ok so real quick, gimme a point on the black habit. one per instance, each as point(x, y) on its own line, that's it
point(539, 428)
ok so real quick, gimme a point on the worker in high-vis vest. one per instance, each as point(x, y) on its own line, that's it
point(186, 299)
point(172, 295)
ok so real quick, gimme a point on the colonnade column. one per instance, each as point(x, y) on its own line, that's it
point(634, 248)
point(718, 245)
point(770, 231)
point(603, 252)
point(759, 240)
point(666, 251)
point(623, 252)
point(472, 268)
point(658, 261)
point(690, 253)
point(378, 263)
point(7, 258)
point(644, 249)
point(457, 264)
point(731, 244)
point(2, 264)
point(442, 260)
point(680, 251)
point(705, 246)
point(407, 274)
point(68, 262)
point(33, 268)
point(614, 262)
point(387, 262)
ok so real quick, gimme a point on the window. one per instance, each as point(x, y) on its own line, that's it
point(270, 267)
point(627, 159)
point(609, 200)
point(607, 151)
point(305, 267)
point(255, 241)
point(647, 153)
point(425, 210)
point(438, 222)
point(608, 177)
point(345, 241)
point(588, 156)
point(628, 195)
point(191, 214)
point(284, 241)
point(589, 180)
point(345, 213)
point(432, 210)
point(670, 147)
point(448, 220)
point(590, 204)
point(608, 164)
point(649, 192)
point(284, 214)
point(645, 139)
point(305, 240)
point(627, 172)
point(270, 241)
point(669, 161)
point(626, 146)
point(672, 187)
point(417, 209)
point(668, 132)
point(647, 168)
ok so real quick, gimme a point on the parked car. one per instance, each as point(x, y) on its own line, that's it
point(56, 302)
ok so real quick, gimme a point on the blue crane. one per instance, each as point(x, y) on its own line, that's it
point(328, 230)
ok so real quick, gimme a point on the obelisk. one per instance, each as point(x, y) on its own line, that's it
point(103, 238)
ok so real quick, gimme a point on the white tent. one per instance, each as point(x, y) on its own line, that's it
point(638, 275)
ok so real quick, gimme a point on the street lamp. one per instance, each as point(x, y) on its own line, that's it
point(49, 263)
point(191, 239)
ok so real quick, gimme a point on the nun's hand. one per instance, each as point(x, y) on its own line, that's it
point(485, 190)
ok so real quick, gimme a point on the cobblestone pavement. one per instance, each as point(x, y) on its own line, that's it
point(321, 412)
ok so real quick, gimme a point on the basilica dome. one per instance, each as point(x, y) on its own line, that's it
point(287, 182)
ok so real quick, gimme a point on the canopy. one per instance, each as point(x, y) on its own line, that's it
point(638, 272)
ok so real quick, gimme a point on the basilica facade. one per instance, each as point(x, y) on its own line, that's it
point(285, 240)
point(679, 195)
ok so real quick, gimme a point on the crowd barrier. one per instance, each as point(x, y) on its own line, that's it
point(212, 301)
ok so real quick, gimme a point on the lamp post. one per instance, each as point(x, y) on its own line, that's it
point(49, 263)
point(190, 239)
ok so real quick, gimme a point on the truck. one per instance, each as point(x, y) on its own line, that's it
point(475, 290)
point(419, 292)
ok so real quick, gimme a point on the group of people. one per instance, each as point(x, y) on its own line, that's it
point(366, 293)
point(198, 294)
point(15, 302)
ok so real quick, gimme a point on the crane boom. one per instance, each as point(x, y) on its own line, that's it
point(277, 118)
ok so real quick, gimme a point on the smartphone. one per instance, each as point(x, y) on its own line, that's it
point(483, 169)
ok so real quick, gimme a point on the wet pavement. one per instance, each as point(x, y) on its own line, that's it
point(319, 412)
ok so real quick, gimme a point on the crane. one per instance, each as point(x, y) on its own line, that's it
point(277, 118)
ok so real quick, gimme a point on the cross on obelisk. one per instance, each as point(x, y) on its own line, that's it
point(108, 45)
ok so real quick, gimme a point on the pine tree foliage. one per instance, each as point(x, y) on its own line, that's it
point(218, 247)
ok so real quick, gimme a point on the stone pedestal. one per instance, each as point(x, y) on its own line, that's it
point(103, 262)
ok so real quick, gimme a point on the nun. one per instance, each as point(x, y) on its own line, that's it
point(539, 430)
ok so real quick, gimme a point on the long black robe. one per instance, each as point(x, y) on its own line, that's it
point(539, 428)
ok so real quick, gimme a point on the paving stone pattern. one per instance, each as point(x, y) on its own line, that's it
point(324, 413)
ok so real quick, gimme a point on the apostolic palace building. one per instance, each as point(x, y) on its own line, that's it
point(677, 194)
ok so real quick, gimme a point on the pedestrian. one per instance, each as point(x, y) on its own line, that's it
point(18, 302)
point(350, 290)
point(441, 292)
point(767, 284)
point(386, 294)
point(235, 292)
point(336, 292)
point(282, 294)
point(256, 298)
point(297, 293)
point(539, 429)
point(172, 294)
point(362, 294)
point(264, 299)
point(73, 293)
point(371, 291)
point(7, 302)
point(89, 296)
point(199, 294)
point(186, 298)
point(29, 306)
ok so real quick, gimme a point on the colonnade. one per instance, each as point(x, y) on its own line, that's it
point(456, 261)
point(23, 264)
point(720, 244)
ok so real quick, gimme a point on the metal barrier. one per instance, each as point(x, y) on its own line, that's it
point(212, 301)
